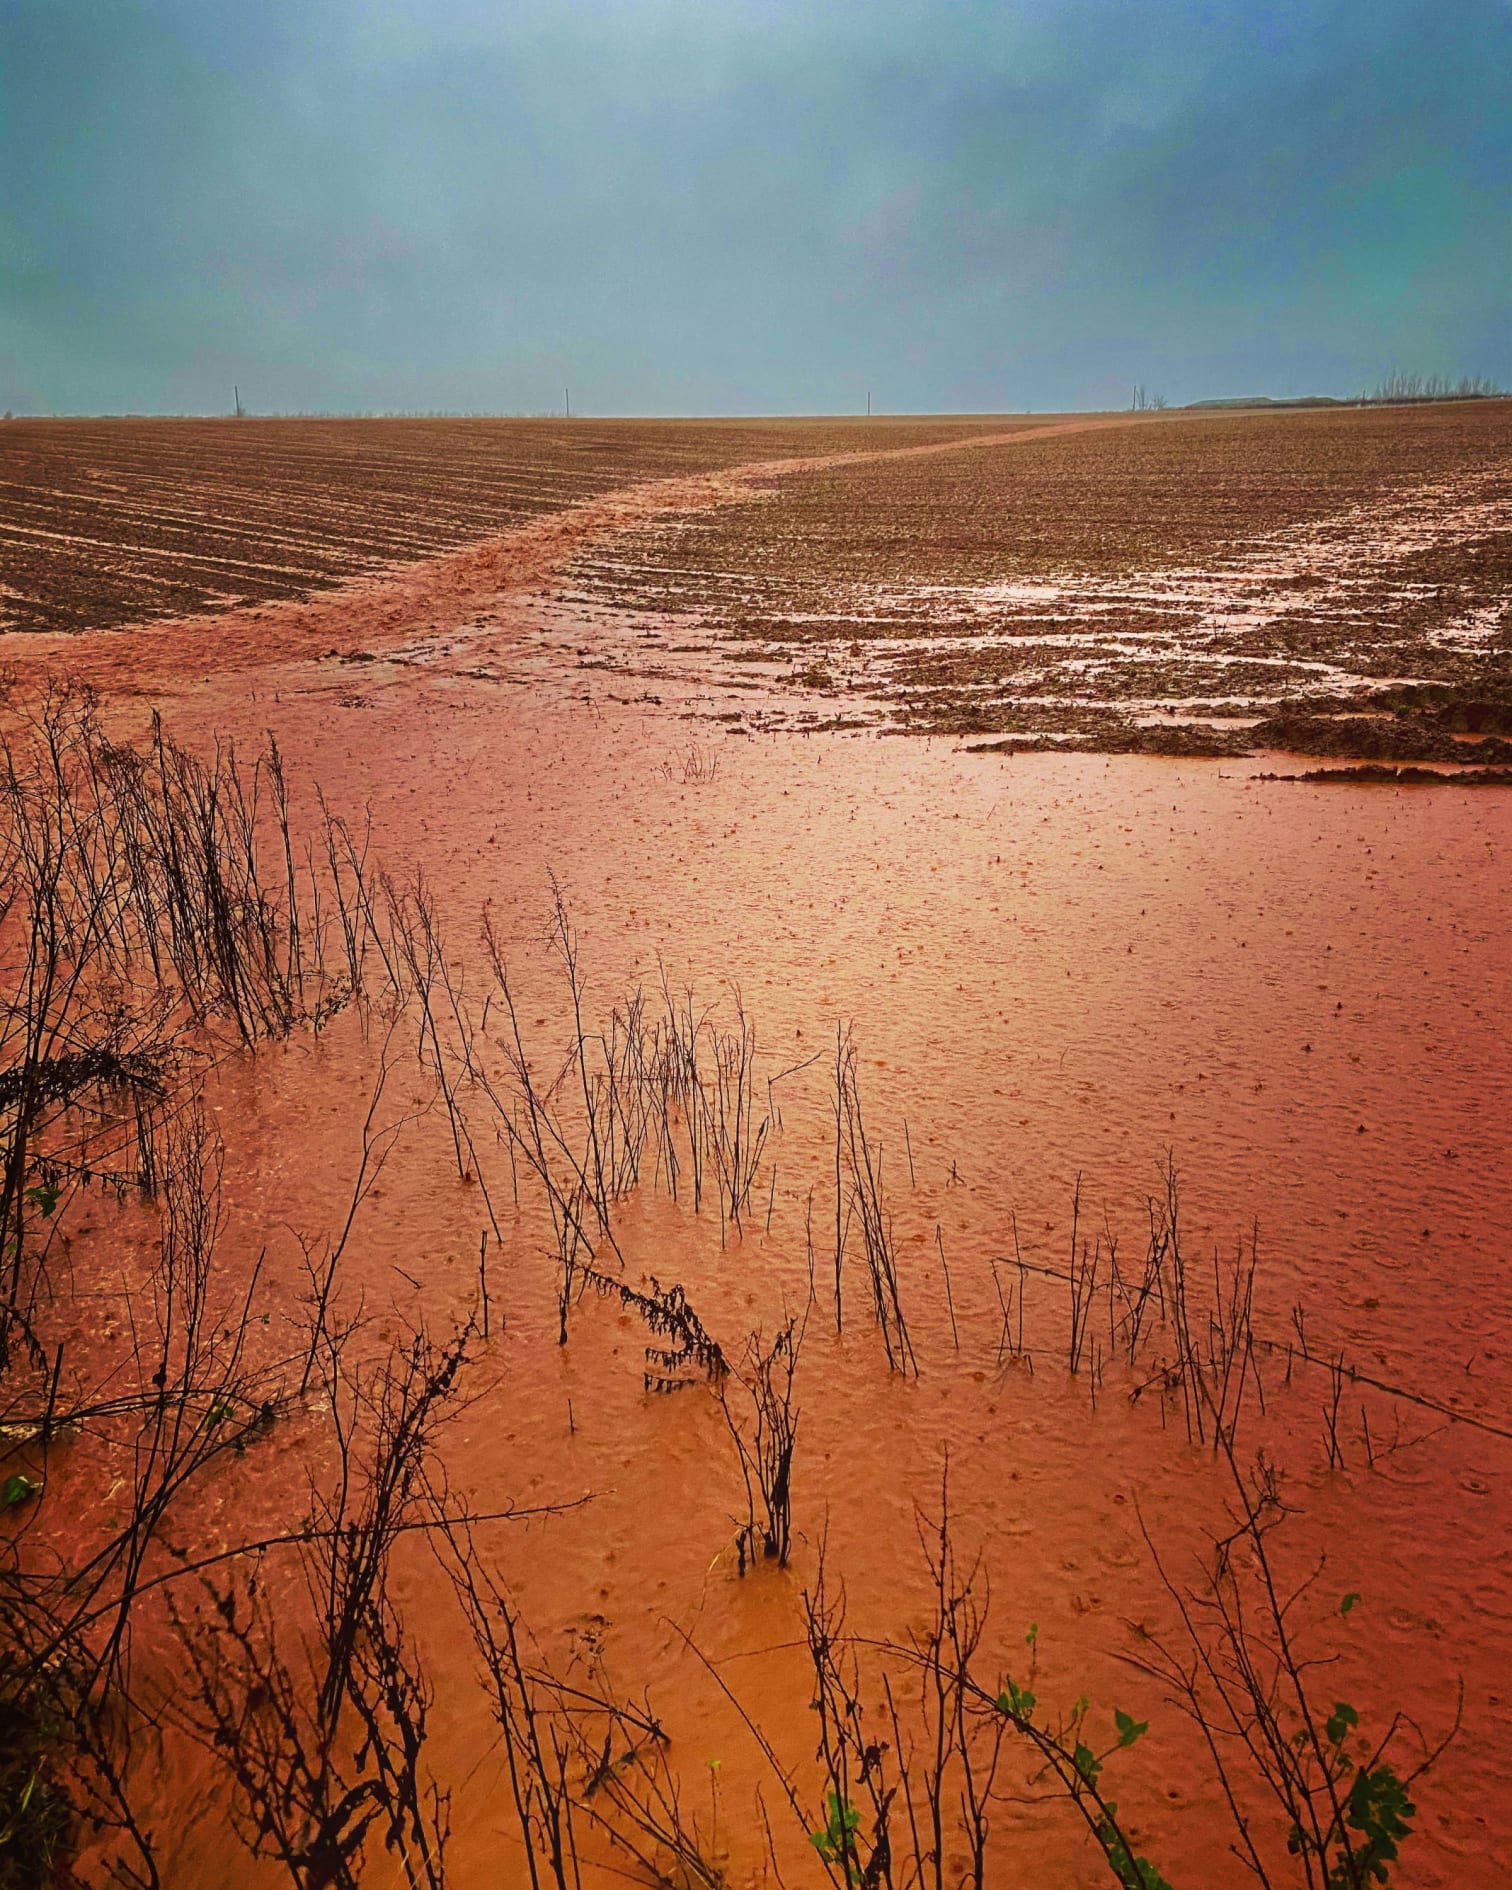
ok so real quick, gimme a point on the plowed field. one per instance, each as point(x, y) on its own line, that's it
point(1334, 583)
point(108, 522)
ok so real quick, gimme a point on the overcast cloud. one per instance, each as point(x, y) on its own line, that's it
point(725, 206)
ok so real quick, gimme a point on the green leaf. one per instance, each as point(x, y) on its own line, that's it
point(1351, 1600)
point(1033, 1635)
point(835, 1842)
point(1087, 1763)
point(17, 1488)
point(1341, 1720)
point(1133, 1873)
point(45, 1196)
point(1380, 1810)
point(1017, 1700)
point(1129, 1729)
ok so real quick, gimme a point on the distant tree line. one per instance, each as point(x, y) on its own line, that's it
point(1399, 387)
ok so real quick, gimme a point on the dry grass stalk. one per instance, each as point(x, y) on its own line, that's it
point(765, 1435)
point(860, 1202)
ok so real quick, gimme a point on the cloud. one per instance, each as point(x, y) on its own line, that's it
point(740, 205)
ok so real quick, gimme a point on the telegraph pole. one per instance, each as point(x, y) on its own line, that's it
point(567, 395)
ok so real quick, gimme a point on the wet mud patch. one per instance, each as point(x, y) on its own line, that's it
point(1371, 773)
point(1352, 593)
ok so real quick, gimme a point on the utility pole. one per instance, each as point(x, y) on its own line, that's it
point(236, 396)
point(567, 394)
point(868, 403)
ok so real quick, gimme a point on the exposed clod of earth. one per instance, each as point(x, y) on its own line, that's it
point(1373, 773)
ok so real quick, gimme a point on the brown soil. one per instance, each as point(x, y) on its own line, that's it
point(1330, 583)
point(1057, 970)
point(111, 522)
point(1315, 583)
point(1372, 773)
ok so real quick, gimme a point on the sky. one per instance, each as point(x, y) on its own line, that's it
point(747, 206)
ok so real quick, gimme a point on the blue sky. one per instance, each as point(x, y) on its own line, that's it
point(727, 206)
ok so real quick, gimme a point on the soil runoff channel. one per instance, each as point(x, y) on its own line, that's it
point(436, 595)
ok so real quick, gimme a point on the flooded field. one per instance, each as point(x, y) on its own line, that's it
point(1323, 583)
point(783, 1135)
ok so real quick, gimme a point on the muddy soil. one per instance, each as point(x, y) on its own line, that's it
point(1330, 584)
point(111, 522)
point(1057, 970)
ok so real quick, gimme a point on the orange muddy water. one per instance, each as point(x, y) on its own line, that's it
point(1056, 966)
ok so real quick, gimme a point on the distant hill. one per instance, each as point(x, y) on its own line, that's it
point(1265, 400)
